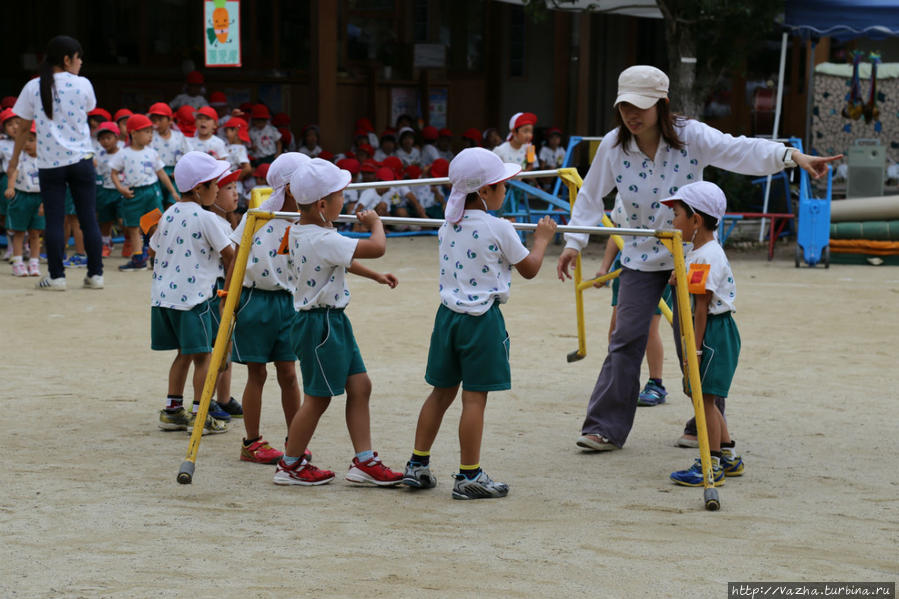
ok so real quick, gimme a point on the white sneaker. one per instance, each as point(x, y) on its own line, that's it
point(34, 269)
point(19, 269)
point(93, 282)
point(50, 284)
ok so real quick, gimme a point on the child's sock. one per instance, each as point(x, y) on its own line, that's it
point(17, 259)
point(716, 457)
point(290, 461)
point(173, 402)
point(420, 458)
point(729, 445)
point(470, 472)
point(248, 442)
point(365, 456)
point(195, 408)
point(658, 383)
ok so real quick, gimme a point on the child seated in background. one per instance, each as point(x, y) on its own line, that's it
point(429, 151)
point(265, 138)
point(552, 154)
point(310, 145)
point(387, 146)
point(407, 152)
point(445, 144)
point(430, 197)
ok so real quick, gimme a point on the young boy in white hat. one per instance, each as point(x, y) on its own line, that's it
point(697, 209)
point(469, 344)
point(330, 361)
point(187, 245)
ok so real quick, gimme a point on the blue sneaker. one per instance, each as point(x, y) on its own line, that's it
point(652, 395)
point(134, 265)
point(731, 462)
point(692, 477)
point(216, 411)
point(76, 261)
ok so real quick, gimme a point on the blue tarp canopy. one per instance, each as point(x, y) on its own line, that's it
point(843, 19)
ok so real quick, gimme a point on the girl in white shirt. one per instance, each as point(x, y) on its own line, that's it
point(518, 148)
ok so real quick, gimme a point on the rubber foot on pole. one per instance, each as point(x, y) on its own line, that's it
point(186, 472)
point(712, 503)
point(575, 356)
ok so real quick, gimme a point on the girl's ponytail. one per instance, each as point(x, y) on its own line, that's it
point(58, 49)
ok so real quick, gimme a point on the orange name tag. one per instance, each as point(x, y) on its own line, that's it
point(149, 220)
point(696, 278)
point(285, 242)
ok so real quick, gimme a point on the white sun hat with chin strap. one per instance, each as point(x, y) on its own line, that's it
point(198, 167)
point(470, 170)
point(701, 196)
point(315, 179)
point(278, 177)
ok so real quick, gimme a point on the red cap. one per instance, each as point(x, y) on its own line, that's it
point(369, 166)
point(6, 114)
point(8, 102)
point(136, 122)
point(312, 127)
point(367, 149)
point(388, 132)
point(413, 171)
point(430, 133)
point(360, 133)
point(261, 171)
point(108, 126)
point(34, 126)
point(365, 125)
point(385, 174)
point(281, 119)
point(230, 177)
point(394, 164)
point(553, 131)
point(218, 98)
point(241, 126)
point(349, 164)
point(122, 113)
point(100, 112)
point(207, 111)
point(445, 133)
point(349, 154)
point(473, 134)
point(439, 168)
point(246, 107)
point(184, 117)
point(195, 78)
point(326, 155)
point(525, 118)
point(161, 109)
point(260, 111)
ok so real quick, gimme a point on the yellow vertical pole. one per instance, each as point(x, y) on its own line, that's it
point(222, 338)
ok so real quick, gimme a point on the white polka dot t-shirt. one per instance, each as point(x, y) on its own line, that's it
point(103, 160)
point(265, 140)
point(319, 258)
point(66, 139)
point(476, 259)
point(214, 146)
point(721, 278)
point(266, 268)
point(171, 148)
point(136, 168)
point(27, 173)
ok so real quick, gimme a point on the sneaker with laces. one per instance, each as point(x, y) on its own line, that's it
point(232, 407)
point(480, 487)
point(211, 427)
point(260, 452)
point(76, 261)
point(216, 411)
point(652, 394)
point(418, 476)
point(93, 282)
point(34, 268)
point(692, 477)
point(302, 473)
point(373, 472)
point(50, 284)
point(19, 269)
point(134, 265)
point(174, 420)
point(731, 462)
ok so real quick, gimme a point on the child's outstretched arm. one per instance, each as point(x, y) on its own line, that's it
point(383, 278)
point(376, 245)
point(530, 266)
point(164, 177)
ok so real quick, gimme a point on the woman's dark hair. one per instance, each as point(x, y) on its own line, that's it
point(667, 121)
point(708, 221)
point(57, 50)
point(474, 197)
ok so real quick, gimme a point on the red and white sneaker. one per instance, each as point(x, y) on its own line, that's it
point(301, 472)
point(106, 252)
point(34, 268)
point(373, 472)
point(260, 452)
point(19, 269)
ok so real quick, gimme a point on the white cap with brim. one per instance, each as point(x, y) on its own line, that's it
point(642, 85)
point(470, 170)
point(197, 167)
point(278, 177)
point(701, 196)
point(316, 179)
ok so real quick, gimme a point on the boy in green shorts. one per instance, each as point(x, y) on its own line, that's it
point(697, 209)
point(136, 173)
point(469, 344)
point(25, 212)
point(109, 200)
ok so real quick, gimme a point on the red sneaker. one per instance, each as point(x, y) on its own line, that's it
point(106, 251)
point(260, 452)
point(373, 472)
point(301, 472)
point(126, 249)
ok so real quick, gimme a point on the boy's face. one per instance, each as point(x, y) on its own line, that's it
point(311, 138)
point(160, 123)
point(142, 137)
point(259, 123)
point(108, 140)
point(494, 195)
point(11, 126)
point(206, 194)
point(226, 199)
point(554, 140)
point(205, 125)
point(407, 141)
point(231, 134)
point(31, 144)
point(524, 135)
point(388, 146)
point(333, 205)
point(684, 223)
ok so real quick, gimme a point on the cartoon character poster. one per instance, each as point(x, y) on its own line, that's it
point(221, 29)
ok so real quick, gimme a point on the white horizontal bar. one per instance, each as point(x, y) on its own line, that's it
point(443, 180)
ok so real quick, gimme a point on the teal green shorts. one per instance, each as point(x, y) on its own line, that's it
point(109, 205)
point(473, 350)
point(215, 307)
point(265, 325)
point(167, 198)
point(327, 350)
point(70, 203)
point(720, 353)
point(187, 330)
point(666, 294)
point(435, 211)
point(146, 198)
point(22, 213)
point(4, 203)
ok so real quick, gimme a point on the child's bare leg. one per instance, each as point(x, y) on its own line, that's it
point(417, 209)
point(304, 423)
point(358, 422)
point(178, 373)
point(471, 426)
point(431, 416)
point(655, 353)
point(713, 421)
point(223, 386)
point(106, 229)
point(290, 389)
point(34, 243)
point(137, 245)
point(201, 367)
point(18, 242)
point(252, 398)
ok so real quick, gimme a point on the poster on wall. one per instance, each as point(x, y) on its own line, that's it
point(221, 32)
point(403, 100)
point(437, 107)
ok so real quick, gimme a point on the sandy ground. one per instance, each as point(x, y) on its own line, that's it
point(89, 506)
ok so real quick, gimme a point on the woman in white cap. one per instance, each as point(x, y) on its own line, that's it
point(469, 344)
point(651, 154)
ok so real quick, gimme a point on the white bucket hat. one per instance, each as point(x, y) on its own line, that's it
point(642, 86)
point(197, 167)
point(701, 196)
point(315, 179)
point(278, 177)
point(470, 170)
